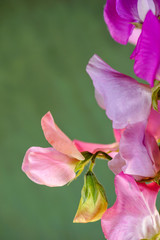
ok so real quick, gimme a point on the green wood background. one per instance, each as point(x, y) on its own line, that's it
point(44, 50)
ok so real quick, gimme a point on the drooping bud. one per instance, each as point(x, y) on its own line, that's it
point(93, 202)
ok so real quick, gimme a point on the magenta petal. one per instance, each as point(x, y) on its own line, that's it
point(134, 215)
point(120, 28)
point(58, 139)
point(48, 167)
point(125, 100)
point(147, 51)
point(128, 10)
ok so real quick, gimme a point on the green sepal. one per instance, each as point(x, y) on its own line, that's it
point(155, 237)
point(92, 187)
point(137, 25)
point(81, 164)
point(93, 202)
point(155, 96)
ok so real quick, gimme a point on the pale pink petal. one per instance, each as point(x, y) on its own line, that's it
point(48, 167)
point(58, 139)
point(125, 100)
point(118, 133)
point(134, 215)
point(133, 39)
point(94, 147)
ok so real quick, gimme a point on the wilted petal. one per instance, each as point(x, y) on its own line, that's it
point(134, 215)
point(125, 100)
point(120, 28)
point(94, 147)
point(147, 51)
point(58, 139)
point(48, 167)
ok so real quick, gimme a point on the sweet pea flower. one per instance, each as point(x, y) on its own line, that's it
point(55, 166)
point(134, 215)
point(147, 51)
point(125, 100)
point(138, 155)
point(121, 17)
point(52, 166)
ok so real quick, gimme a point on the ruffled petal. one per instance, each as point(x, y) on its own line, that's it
point(134, 215)
point(125, 100)
point(119, 28)
point(138, 153)
point(147, 51)
point(58, 139)
point(48, 167)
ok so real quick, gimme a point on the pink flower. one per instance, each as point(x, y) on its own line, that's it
point(120, 14)
point(134, 215)
point(147, 51)
point(138, 155)
point(52, 166)
point(125, 100)
point(55, 166)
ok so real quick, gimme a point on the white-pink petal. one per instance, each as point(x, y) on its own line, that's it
point(48, 167)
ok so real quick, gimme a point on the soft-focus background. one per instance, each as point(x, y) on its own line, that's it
point(44, 50)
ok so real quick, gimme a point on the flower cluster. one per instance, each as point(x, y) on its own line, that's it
point(133, 108)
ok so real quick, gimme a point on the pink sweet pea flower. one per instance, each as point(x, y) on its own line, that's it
point(125, 100)
point(55, 166)
point(147, 51)
point(120, 14)
point(52, 166)
point(138, 155)
point(134, 215)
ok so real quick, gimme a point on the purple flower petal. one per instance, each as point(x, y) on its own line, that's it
point(125, 100)
point(138, 153)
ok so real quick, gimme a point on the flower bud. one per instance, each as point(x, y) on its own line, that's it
point(93, 202)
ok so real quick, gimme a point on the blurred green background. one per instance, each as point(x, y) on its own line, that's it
point(44, 50)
